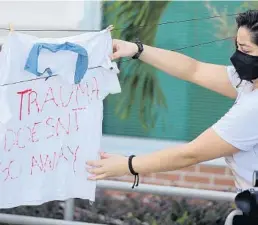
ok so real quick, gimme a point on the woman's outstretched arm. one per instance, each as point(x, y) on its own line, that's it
point(206, 147)
point(209, 145)
point(210, 76)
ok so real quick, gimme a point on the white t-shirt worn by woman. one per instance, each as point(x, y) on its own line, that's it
point(239, 127)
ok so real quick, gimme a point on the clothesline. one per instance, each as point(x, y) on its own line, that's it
point(121, 28)
point(40, 78)
point(127, 60)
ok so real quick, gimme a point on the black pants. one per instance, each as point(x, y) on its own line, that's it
point(245, 220)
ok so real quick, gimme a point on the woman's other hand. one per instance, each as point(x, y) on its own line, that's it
point(108, 166)
point(123, 49)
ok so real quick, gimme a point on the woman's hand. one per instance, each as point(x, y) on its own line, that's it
point(108, 166)
point(123, 49)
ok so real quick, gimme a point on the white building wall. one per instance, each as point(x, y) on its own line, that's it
point(50, 15)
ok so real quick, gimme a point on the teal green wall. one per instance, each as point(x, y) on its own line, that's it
point(191, 109)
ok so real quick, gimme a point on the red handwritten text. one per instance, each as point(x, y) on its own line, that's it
point(32, 99)
point(41, 131)
point(10, 170)
point(45, 163)
point(46, 115)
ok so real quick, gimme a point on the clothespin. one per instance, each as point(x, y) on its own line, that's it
point(110, 28)
point(11, 27)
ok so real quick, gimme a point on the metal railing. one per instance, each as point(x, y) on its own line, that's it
point(29, 220)
point(120, 186)
point(168, 190)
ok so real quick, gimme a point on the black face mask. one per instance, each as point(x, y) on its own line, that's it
point(245, 65)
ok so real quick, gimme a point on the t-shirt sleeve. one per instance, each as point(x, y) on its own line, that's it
point(233, 77)
point(239, 127)
point(112, 80)
point(112, 83)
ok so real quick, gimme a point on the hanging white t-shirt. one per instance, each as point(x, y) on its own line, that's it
point(51, 127)
point(239, 127)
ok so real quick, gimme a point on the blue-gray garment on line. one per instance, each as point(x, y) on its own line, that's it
point(81, 64)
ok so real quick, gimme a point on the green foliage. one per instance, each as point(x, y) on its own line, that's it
point(248, 5)
point(137, 210)
point(140, 86)
point(52, 209)
point(153, 210)
point(225, 28)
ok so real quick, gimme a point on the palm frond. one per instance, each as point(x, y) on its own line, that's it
point(140, 86)
point(248, 5)
point(226, 27)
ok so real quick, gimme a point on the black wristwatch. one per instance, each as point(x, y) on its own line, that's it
point(140, 49)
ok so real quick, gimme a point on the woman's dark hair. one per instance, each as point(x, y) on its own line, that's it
point(249, 19)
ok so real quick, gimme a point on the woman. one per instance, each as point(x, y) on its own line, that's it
point(234, 136)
